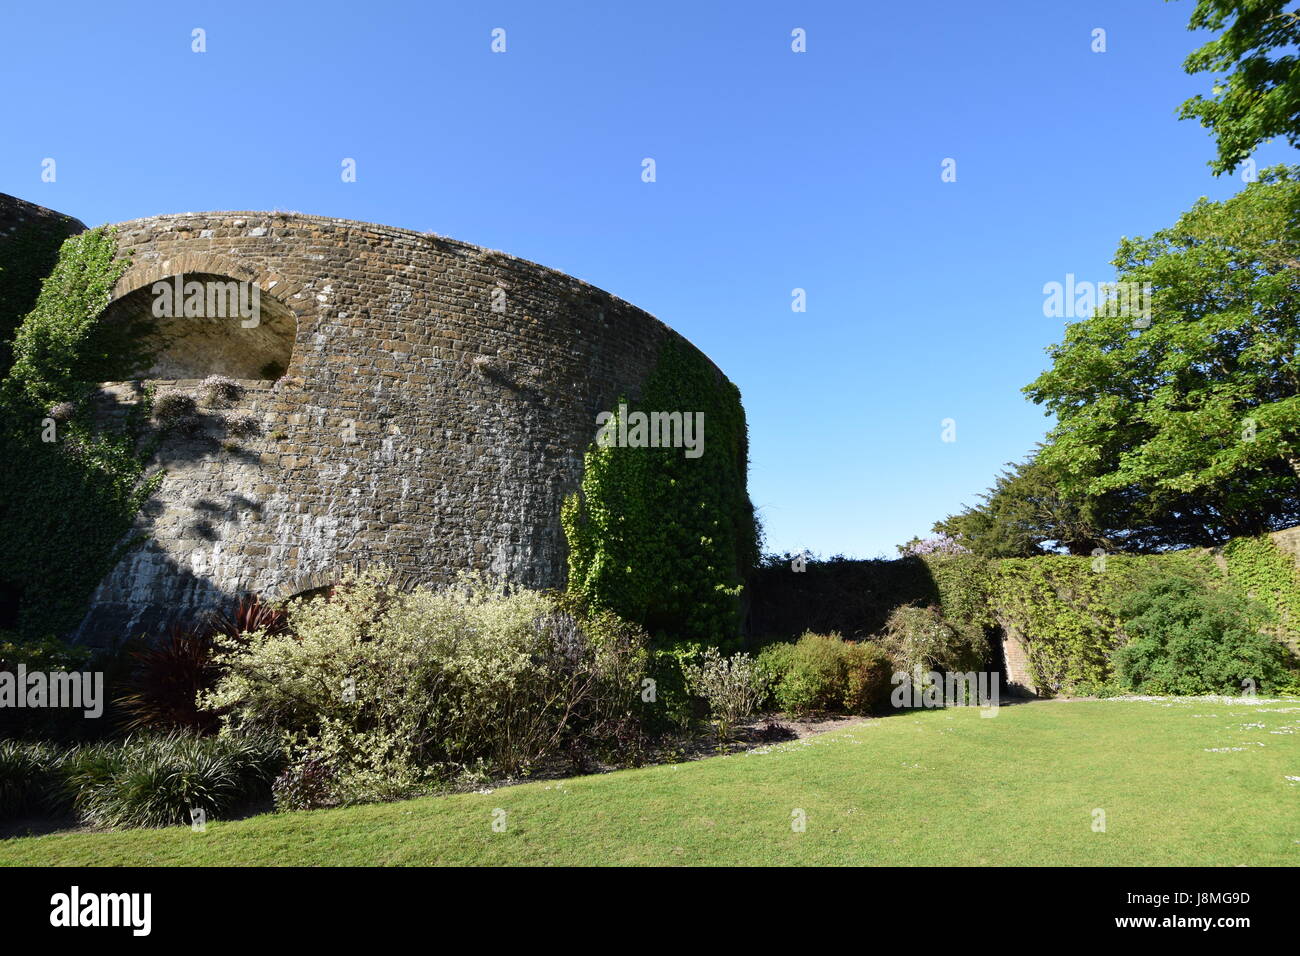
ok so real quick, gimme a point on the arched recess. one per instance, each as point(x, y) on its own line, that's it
point(205, 316)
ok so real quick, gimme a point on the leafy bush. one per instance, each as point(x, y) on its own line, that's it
point(824, 672)
point(775, 661)
point(734, 687)
point(381, 693)
point(919, 640)
point(1186, 639)
point(156, 781)
point(867, 669)
point(814, 681)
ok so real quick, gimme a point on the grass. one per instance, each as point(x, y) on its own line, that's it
point(934, 788)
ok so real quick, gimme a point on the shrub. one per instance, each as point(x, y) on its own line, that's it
point(380, 693)
point(824, 672)
point(919, 640)
point(867, 669)
point(165, 680)
point(31, 778)
point(156, 781)
point(775, 661)
point(1184, 638)
point(167, 677)
point(306, 785)
point(733, 686)
point(814, 680)
point(218, 391)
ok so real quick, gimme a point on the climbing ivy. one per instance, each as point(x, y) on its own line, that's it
point(661, 538)
point(72, 483)
point(62, 349)
point(1064, 608)
point(1263, 571)
point(30, 252)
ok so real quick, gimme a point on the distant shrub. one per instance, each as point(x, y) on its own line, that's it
point(919, 640)
point(1186, 639)
point(733, 686)
point(824, 673)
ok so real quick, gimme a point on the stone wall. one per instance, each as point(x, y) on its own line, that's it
point(433, 414)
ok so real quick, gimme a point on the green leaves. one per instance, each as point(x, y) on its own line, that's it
point(1260, 96)
point(1191, 422)
point(662, 538)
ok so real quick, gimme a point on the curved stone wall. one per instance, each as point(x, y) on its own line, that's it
point(433, 414)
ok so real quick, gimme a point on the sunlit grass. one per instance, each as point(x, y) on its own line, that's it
point(1179, 781)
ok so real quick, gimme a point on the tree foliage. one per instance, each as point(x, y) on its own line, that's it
point(1026, 514)
point(1258, 98)
point(1190, 422)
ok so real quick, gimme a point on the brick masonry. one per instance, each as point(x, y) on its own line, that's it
point(414, 426)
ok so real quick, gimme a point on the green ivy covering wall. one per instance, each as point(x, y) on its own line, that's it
point(660, 538)
point(1265, 572)
point(30, 252)
point(71, 487)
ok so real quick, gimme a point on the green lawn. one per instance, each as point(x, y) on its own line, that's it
point(934, 787)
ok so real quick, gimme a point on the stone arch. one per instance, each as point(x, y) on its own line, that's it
point(307, 583)
point(246, 326)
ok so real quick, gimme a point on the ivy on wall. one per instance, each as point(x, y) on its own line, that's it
point(659, 537)
point(1263, 571)
point(30, 252)
point(71, 485)
point(62, 350)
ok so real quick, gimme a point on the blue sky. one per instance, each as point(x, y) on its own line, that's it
point(775, 171)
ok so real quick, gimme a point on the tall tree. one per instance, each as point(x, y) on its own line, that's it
point(1192, 413)
point(1259, 97)
point(1025, 514)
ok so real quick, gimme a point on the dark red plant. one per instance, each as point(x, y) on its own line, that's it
point(249, 615)
point(166, 676)
point(165, 679)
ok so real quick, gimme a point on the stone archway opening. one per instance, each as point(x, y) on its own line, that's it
point(203, 324)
